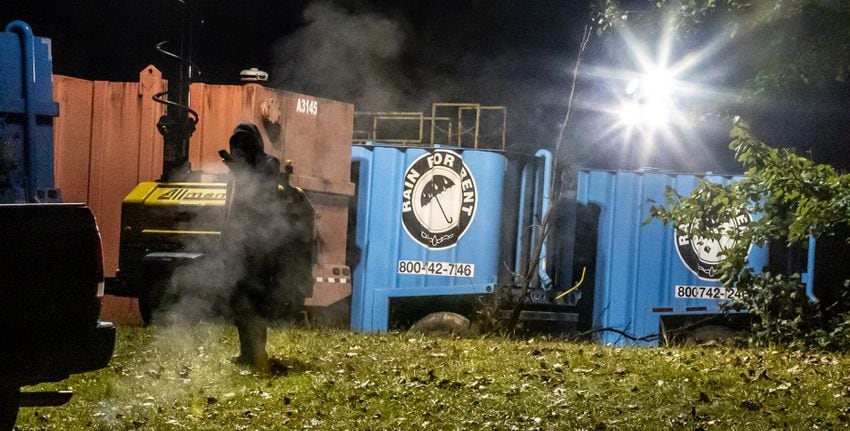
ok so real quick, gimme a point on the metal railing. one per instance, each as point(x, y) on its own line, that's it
point(368, 126)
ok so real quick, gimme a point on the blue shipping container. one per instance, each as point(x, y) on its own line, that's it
point(430, 223)
point(643, 271)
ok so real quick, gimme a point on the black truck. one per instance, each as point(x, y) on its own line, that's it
point(51, 282)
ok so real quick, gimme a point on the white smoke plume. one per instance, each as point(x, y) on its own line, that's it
point(344, 55)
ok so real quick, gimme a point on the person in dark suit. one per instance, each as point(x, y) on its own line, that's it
point(251, 239)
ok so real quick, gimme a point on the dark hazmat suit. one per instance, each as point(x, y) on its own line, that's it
point(266, 242)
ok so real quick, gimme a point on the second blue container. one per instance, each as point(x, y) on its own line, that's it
point(644, 270)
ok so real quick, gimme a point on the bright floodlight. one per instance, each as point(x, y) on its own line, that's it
point(652, 85)
point(629, 114)
point(657, 84)
point(648, 104)
point(650, 100)
point(656, 112)
point(633, 86)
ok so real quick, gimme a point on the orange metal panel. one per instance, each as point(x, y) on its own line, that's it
point(326, 293)
point(314, 133)
point(72, 136)
point(331, 226)
point(196, 93)
point(114, 159)
point(120, 311)
point(220, 108)
point(317, 137)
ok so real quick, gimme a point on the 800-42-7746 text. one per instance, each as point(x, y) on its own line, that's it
point(448, 269)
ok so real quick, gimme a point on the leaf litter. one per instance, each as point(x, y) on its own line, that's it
point(181, 378)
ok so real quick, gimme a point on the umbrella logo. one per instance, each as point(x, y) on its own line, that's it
point(439, 199)
point(703, 256)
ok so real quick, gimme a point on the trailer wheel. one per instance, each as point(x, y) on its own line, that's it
point(9, 399)
point(444, 322)
point(704, 334)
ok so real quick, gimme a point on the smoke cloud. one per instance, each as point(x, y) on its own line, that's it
point(409, 55)
point(264, 246)
point(354, 57)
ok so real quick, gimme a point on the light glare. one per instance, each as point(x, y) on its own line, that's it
point(658, 83)
point(629, 114)
point(656, 113)
point(650, 88)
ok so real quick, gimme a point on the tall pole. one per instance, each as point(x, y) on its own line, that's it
point(178, 123)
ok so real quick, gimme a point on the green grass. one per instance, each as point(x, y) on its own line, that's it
point(181, 378)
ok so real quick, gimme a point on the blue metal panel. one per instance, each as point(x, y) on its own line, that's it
point(388, 192)
point(638, 265)
point(26, 93)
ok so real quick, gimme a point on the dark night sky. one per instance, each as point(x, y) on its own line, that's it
point(114, 39)
point(403, 55)
point(385, 55)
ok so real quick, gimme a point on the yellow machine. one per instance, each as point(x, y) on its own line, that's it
point(168, 226)
point(165, 226)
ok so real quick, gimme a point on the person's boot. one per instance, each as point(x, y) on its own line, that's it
point(252, 346)
point(259, 356)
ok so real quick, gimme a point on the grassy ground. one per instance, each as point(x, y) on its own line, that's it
point(181, 378)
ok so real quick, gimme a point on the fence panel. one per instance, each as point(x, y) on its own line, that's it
point(72, 136)
point(105, 143)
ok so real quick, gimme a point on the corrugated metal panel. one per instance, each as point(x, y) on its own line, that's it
point(637, 265)
point(220, 108)
point(387, 191)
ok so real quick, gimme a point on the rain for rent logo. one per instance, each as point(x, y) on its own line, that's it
point(703, 256)
point(439, 199)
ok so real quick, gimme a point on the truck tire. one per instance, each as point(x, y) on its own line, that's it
point(9, 398)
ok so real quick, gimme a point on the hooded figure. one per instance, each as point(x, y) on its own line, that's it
point(252, 238)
